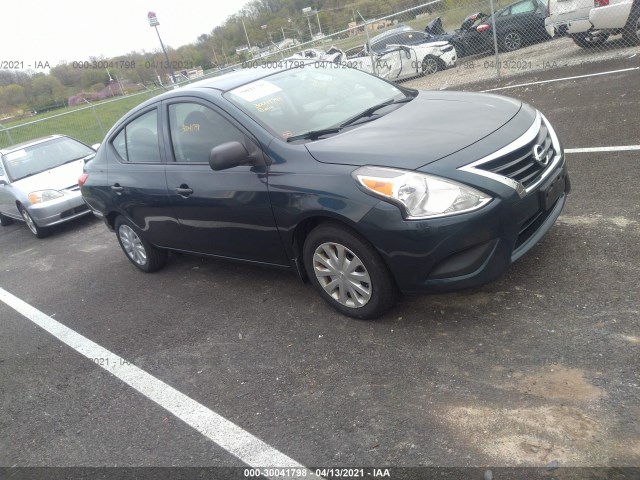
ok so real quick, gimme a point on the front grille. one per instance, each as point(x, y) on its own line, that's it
point(521, 164)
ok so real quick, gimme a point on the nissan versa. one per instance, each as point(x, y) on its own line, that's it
point(365, 188)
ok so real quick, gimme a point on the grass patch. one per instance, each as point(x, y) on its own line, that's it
point(86, 124)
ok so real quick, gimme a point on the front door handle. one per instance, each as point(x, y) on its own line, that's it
point(184, 191)
point(117, 188)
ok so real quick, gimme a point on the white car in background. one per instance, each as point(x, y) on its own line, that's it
point(590, 22)
point(39, 182)
point(332, 55)
point(400, 62)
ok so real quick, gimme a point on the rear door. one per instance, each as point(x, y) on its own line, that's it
point(225, 213)
point(526, 17)
point(136, 179)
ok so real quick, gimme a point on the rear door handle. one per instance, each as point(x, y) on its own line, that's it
point(184, 191)
point(117, 188)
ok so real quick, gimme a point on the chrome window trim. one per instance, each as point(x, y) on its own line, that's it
point(520, 142)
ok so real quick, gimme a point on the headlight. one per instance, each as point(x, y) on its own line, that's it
point(43, 196)
point(420, 195)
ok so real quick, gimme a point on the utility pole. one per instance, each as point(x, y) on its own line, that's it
point(245, 34)
point(307, 13)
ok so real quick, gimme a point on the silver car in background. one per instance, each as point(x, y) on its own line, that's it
point(39, 182)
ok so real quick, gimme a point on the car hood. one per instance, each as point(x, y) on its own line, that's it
point(430, 127)
point(58, 178)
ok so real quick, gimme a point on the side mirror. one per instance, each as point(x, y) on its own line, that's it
point(3, 181)
point(228, 155)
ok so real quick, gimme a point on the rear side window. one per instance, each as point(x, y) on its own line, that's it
point(137, 142)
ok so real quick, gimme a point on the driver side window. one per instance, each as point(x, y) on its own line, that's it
point(196, 129)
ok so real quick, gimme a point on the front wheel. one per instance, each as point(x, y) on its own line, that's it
point(430, 65)
point(139, 251)
point(348, 272)
point(590, 40)
point(39, 232)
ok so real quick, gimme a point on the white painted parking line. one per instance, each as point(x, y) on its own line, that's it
point(627, 148)
point(240, 443)
point(562, 79)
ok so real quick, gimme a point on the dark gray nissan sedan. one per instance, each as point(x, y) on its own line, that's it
point(365, 188)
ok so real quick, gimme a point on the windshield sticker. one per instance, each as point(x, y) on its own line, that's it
point(267, 104)
point(256, 90)
point(14, 158)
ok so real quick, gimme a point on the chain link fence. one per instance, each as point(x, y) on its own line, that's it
point(443, 43)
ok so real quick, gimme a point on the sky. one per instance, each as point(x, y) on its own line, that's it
point(36, 32)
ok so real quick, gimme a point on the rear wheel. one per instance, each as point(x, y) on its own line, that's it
point(39, 232)
point(140, 252)
point(631, 33)
point(590, 40)
point(348, 272)
point(511, 41)
point(430, 65)
point(4, 221)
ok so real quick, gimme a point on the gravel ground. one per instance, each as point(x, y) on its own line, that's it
point(539, 58)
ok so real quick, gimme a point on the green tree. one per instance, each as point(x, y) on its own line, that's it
point(46, 91)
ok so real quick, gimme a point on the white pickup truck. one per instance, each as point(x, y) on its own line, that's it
point(590, 22)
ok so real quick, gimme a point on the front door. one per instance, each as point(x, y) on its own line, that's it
point(225, 213)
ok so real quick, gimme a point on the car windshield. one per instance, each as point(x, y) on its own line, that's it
point(312, 97)
point(44, 156)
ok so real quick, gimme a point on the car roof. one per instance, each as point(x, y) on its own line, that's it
point(222, 83)
point(28, 143)
point(393, 31)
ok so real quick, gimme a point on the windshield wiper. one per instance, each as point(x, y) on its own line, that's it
point(371, 110)
point(314, 134)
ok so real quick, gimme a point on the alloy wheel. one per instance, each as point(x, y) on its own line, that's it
point(132, 245)
point(429, 66)
point(29, 221)
point(512, 41)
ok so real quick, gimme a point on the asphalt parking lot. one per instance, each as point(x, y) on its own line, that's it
point(538, 369)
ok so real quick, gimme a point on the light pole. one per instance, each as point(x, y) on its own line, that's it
point(153, 22)
point(246, 36)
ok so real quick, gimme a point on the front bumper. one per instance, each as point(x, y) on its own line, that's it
point(466, 250)
point(449, 58)
point(71, 205)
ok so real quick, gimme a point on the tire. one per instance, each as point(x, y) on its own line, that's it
point(139, 251)
point(631, 33)
point(430, 65)
point(511, 41)
point(365, 291)
point(39, 232)
point(5, 221)
point(586, 40)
